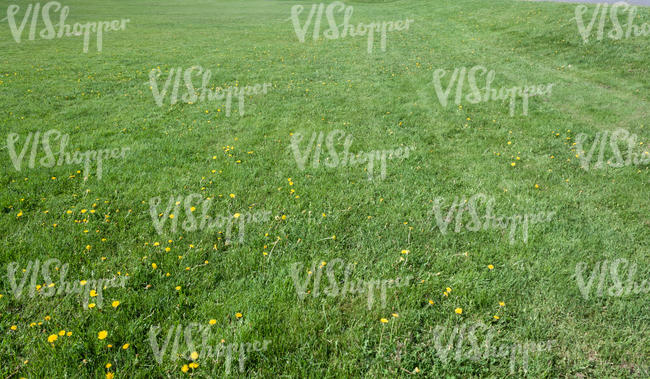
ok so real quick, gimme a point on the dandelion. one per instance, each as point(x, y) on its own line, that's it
point(185, 368)
point(238, 315)
point(108, 365)
point(13, 327)
point(383, 320)
point(178, 288)
point(101, 335)
point(405, 251)
point(212, 321)
point(431, 302)
point(154, 266)
point(502, 304)
point(459, 311)
point(52, 338)
point(115, 304)
point(62, 333)
point(496, 317)
point(125, 346)
point(490, 267)
point(232, 195)
point(194, 356)
point(109, 375)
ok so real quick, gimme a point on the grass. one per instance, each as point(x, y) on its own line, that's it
point(384, 100)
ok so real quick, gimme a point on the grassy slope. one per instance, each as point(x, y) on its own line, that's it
point(103, 100)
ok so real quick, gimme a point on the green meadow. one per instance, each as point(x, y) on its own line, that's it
point(574, 282)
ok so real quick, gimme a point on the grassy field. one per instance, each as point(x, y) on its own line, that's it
point(104, 228)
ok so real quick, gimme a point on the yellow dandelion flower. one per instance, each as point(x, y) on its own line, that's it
point(101, 335)
point(459, 311)
point(61, 333)
point(212, 322)
point(125, 346)
point(238, 315)
point(52, 338)
point(490, 267)
point(194, 356)
point(115, 303)
point(185, 368)
point(383, 320)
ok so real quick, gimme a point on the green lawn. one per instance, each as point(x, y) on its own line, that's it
point(103, 228)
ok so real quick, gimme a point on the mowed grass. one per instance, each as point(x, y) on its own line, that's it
point(385, 100)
